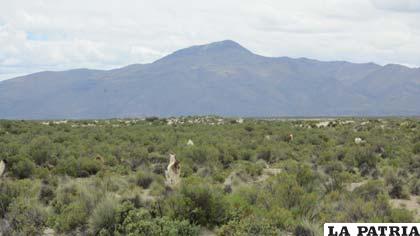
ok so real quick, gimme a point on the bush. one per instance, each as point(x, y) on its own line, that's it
point(249, 226)
point(81, 167)
point(24, 168)
point(366, 160)
point(416, 148)
point(8, 192)
point(72, 216)
point(40, 150)
point(199, 203)
point(26, 217)
point(88, 166)
point(140, 222)
point(396, 186)
point(144, 179)
point(103, 217)
point(46, 193)
point(370, 191)
point(415, 187)
point(401, 216)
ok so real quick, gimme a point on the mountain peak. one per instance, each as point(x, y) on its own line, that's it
point(220, 47)
point(223, 45)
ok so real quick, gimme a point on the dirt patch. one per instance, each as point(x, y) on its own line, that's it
point(411, 204)
point(206, 232)
point(267, 173)
point(353, 186)
point(234, 180)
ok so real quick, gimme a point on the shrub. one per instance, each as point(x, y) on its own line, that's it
point(103, 217)
point(366, 160)
point(24, 168)
point(416, 148)
point(26, 217)
point(281, 218)
point(46, 193)
point(199, 203)
point(265, 155)
point(401, 216)
point(415, 187)
point(88, 166)
point(252, 169)
point(370, 191)
point(8, 192)
point(248, 226)
point(396, 186)
point(72, 216)
point(40, 150)
point(144, 179)
point(81, 167)
point(140, 222)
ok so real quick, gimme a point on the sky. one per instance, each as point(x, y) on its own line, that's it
point(37, 35)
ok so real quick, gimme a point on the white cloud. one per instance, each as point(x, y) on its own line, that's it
point(53, 34)
point(398, 5)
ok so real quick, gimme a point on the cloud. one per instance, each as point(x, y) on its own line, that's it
point(398, 5)
point(55, 35)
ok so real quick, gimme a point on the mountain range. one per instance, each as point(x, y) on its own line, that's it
point(220, 78)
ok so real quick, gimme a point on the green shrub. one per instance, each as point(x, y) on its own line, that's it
point(88, 166)
point(46, 193)
point(396, 186)
point(307, 228)
point(8, 192)
point(370, 190)
point(81, 167)
point(416, 148)
point(24, 168)
point(401, 216)
point(415, 187)
point(103, 217)
point(26, 217)
point(144, 179)
point(199, 203)
point(140, 222)
point(72, 216)
point(249, 226)
point(41, 150)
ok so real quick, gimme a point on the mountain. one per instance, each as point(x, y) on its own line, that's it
point(221, 78)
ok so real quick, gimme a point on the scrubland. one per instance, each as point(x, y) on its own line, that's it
point(238, 176)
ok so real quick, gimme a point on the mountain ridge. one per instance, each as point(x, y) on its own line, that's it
point(220, 78)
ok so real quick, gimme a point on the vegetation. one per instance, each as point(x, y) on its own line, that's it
point(239, 177)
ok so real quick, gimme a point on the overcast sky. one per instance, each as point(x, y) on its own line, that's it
point(40, 35)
